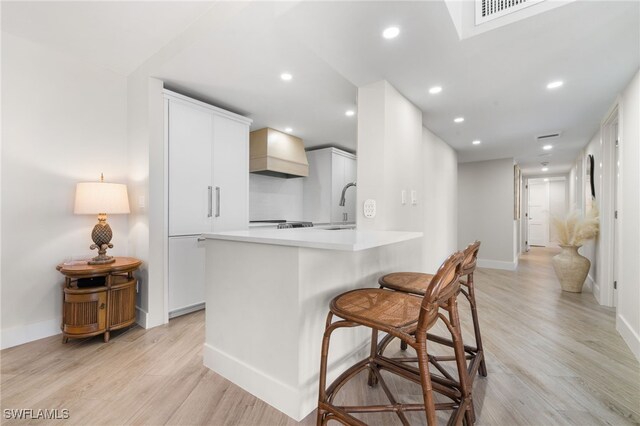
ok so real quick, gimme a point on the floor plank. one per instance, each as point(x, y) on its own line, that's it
point(554, 358)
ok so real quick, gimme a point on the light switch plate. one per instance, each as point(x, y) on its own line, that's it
point(369, 209)
point(414, 197)
point(403, 197)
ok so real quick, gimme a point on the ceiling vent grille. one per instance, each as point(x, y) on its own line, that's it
point(486, 10)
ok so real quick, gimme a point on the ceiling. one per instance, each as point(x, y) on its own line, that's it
point(495, 80)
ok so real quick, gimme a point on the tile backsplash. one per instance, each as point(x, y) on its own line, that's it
point(274, 198)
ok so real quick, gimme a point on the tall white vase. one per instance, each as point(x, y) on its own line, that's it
point(571, 268)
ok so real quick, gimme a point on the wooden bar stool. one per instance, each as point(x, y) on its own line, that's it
point(406, 317)
point(417, 283)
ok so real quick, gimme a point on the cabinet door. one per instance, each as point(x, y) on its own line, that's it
point(317, 188)
point(230, 174)
point(186, 275)
point(190, 133)
point(350, 175)
point(84, 312)
point(338, 182)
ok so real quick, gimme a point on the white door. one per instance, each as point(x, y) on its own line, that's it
point(190, 192)
point(186, 275)
point(230, 174)
point(538, 214)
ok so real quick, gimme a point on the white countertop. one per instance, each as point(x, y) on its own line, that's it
point(344, 239)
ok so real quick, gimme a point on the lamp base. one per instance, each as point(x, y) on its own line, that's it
point(101, 260)
point(101, 236)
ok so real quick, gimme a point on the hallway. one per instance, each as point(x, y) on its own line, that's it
point(553, 358)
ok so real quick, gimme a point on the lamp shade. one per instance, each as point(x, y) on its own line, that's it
point(101, 197)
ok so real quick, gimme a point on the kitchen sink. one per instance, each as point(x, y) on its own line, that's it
point(339, 228)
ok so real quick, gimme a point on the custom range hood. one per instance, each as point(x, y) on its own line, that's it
point(274, 153)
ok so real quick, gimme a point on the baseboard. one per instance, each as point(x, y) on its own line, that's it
point(280, 395)
point(498, 264)
point(629, 335)
point(141, 317)
point(15, 336)
point(186, 310)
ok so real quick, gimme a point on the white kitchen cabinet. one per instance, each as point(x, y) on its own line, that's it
point(208, 189)
point(190, 133)
point(330, 169)
point(186, 275)
point(208, 167)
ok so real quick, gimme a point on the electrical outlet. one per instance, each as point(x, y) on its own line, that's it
point(369, 209)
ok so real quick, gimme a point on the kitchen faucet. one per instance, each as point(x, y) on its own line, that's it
point(342, 200)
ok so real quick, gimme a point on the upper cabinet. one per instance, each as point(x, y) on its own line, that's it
point(330, 171)
point(208, 164)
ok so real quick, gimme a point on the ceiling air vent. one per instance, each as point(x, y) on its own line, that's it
point(548, 136)
point(487, 10)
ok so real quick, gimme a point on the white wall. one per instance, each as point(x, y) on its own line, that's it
point(485, 211)
point(440, 199)
point(628, 312)
point(389, 158)
point(275, 198)
point(593, 249)
point(396, 153)
point(557, 204)
point(64, 121)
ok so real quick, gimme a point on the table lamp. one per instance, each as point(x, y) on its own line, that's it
point(101, 198)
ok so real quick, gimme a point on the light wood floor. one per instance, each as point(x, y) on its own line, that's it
point(553, 358)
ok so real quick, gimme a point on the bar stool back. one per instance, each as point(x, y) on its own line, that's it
point(417, 283)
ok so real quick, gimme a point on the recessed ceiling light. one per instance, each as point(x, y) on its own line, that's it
point(547, 147)
point(545, 169)
point(476, 142)
point(286, 76)
point(546, 179)
point(391, 32)
point(350, 113)
point(288, 130)
point(435, 89)
point(458, 119)
point(555, 84)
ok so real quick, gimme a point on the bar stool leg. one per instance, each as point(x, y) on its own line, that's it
point(322, 394)
point(425, 378)
point(476, 326)
point(373, 378)
point(461, 363)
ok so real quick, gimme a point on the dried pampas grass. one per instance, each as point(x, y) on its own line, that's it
point(574, 230)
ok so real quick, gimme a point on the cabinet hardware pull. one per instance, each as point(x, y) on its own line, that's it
point(200, 239)
point(210, 211)
point(217, 201)
point(102, 306)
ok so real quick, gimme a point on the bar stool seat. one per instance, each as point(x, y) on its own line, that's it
point(408, 282)
point(382, 308)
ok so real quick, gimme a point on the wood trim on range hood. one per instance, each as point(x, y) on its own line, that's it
point(278, 154)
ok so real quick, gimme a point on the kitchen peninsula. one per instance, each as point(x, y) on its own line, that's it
point(267, 296)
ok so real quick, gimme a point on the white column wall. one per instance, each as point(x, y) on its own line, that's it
point(628, 312)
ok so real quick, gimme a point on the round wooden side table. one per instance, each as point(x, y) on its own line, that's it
point(98, 298)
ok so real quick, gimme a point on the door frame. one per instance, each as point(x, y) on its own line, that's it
point(604, 289)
